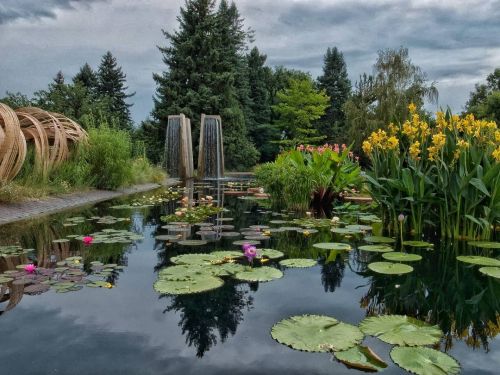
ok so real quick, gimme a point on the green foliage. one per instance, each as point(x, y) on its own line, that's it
point(384, 97)
point(111, 87)
point(210, 43)
point(449, 173)
point(337, 86)
point(298, 106)
point(298, 178)
point(484, 102)
point(109, 152)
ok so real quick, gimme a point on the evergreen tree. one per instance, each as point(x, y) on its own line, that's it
point(337, 86)
point(298, 107)
point(87, 78)
point(202, 59)
point(112, 90)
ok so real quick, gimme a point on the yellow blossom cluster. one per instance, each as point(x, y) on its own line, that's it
point(424, 140)
point(380, 140)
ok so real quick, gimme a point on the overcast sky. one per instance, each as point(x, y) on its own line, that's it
point(457, 43)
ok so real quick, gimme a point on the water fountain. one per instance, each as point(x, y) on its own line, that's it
point(178, 147)
point(211, 152)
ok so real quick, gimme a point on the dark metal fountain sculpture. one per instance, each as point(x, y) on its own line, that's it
point(178, 147)
point(211, 152)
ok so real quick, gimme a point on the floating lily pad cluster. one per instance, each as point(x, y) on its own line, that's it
point(13, 250)
point(67, 276)
point(167, 195)
point(491, 266)
point(319, 333)
point(105, 220)
point(109, 236)
point(193, 214)
point(196, 273)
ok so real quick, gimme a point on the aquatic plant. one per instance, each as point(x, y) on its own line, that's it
point(87, 240)
point(450, 172)
point(299, 178)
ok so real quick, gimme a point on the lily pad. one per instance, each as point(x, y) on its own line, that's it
point(193, 259)
point(376, 248)
point(332, 246)
point(401, 330)
point(418, 244)
point(316, 333)
point(227, 269)
point(271, 253)
point(201, 283)
point(227, 254)
point(379, 239)
point(5, 279)
point(389, 268)
point(491, 271)
point(243, 242)
point(298, 263)
point(167, 237)
point(479, 260)
point(259, 274)
point(345, 231)
point(485, 244)
point(61, 240)
point(424, 361)
point(362, 358)
point(192, 242)
point(401, 257)
point(359, 227)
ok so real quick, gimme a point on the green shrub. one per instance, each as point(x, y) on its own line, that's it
point(109, 154)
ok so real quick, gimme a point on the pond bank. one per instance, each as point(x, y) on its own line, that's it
point(11, 212)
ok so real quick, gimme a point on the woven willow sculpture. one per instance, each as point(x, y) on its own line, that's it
point(50, 133)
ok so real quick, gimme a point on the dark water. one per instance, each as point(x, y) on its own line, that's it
point(130, 329)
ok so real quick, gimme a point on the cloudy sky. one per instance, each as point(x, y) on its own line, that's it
point(456, 42)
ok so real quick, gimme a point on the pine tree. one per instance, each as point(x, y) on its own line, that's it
point(337, 85)
point(112, 90)
point(87, 78)
point(202, 62)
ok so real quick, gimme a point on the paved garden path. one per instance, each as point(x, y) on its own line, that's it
point(31, 209)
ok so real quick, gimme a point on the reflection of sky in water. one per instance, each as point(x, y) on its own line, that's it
point(125, 330)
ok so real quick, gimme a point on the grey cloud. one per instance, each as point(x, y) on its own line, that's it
point(11, 10)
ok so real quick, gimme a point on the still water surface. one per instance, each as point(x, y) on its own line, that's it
point(131, 329)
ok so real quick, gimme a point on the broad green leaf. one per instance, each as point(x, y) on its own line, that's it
point(259, 274)
point(485, 244)
point(418, 244)
point(491, 271)
point(424, 361)
point(401, 330)
point(316, 333)
point(479, 260)
point(298, 263)
point(401, 257)
point(376, 248)
point(201, 283)
point(389, 268)
point(332, 246)
point(362, 358)
point(379, 239)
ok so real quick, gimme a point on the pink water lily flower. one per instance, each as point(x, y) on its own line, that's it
point(250, 252)
point(87, 240)
point(30, 268)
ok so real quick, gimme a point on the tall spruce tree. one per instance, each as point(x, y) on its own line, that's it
point(202, 61)
point(87, 78)
point(111, 90)
point(337, 85)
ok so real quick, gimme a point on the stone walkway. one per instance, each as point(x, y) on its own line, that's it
point(31, 209)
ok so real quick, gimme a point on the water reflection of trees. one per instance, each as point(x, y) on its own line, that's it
point(332, 270)
point(443, 291)
point(211, 316)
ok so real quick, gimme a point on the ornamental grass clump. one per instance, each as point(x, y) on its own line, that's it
point(448, 172)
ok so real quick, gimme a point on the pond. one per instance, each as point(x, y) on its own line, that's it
point(123, 325)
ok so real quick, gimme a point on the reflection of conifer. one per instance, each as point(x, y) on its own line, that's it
point(202, 315)
point(332, 274)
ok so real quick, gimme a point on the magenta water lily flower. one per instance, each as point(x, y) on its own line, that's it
point(250, 252)
point(30, 268)
point(87, 240)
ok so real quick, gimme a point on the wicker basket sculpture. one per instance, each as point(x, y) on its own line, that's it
point(50, 133)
